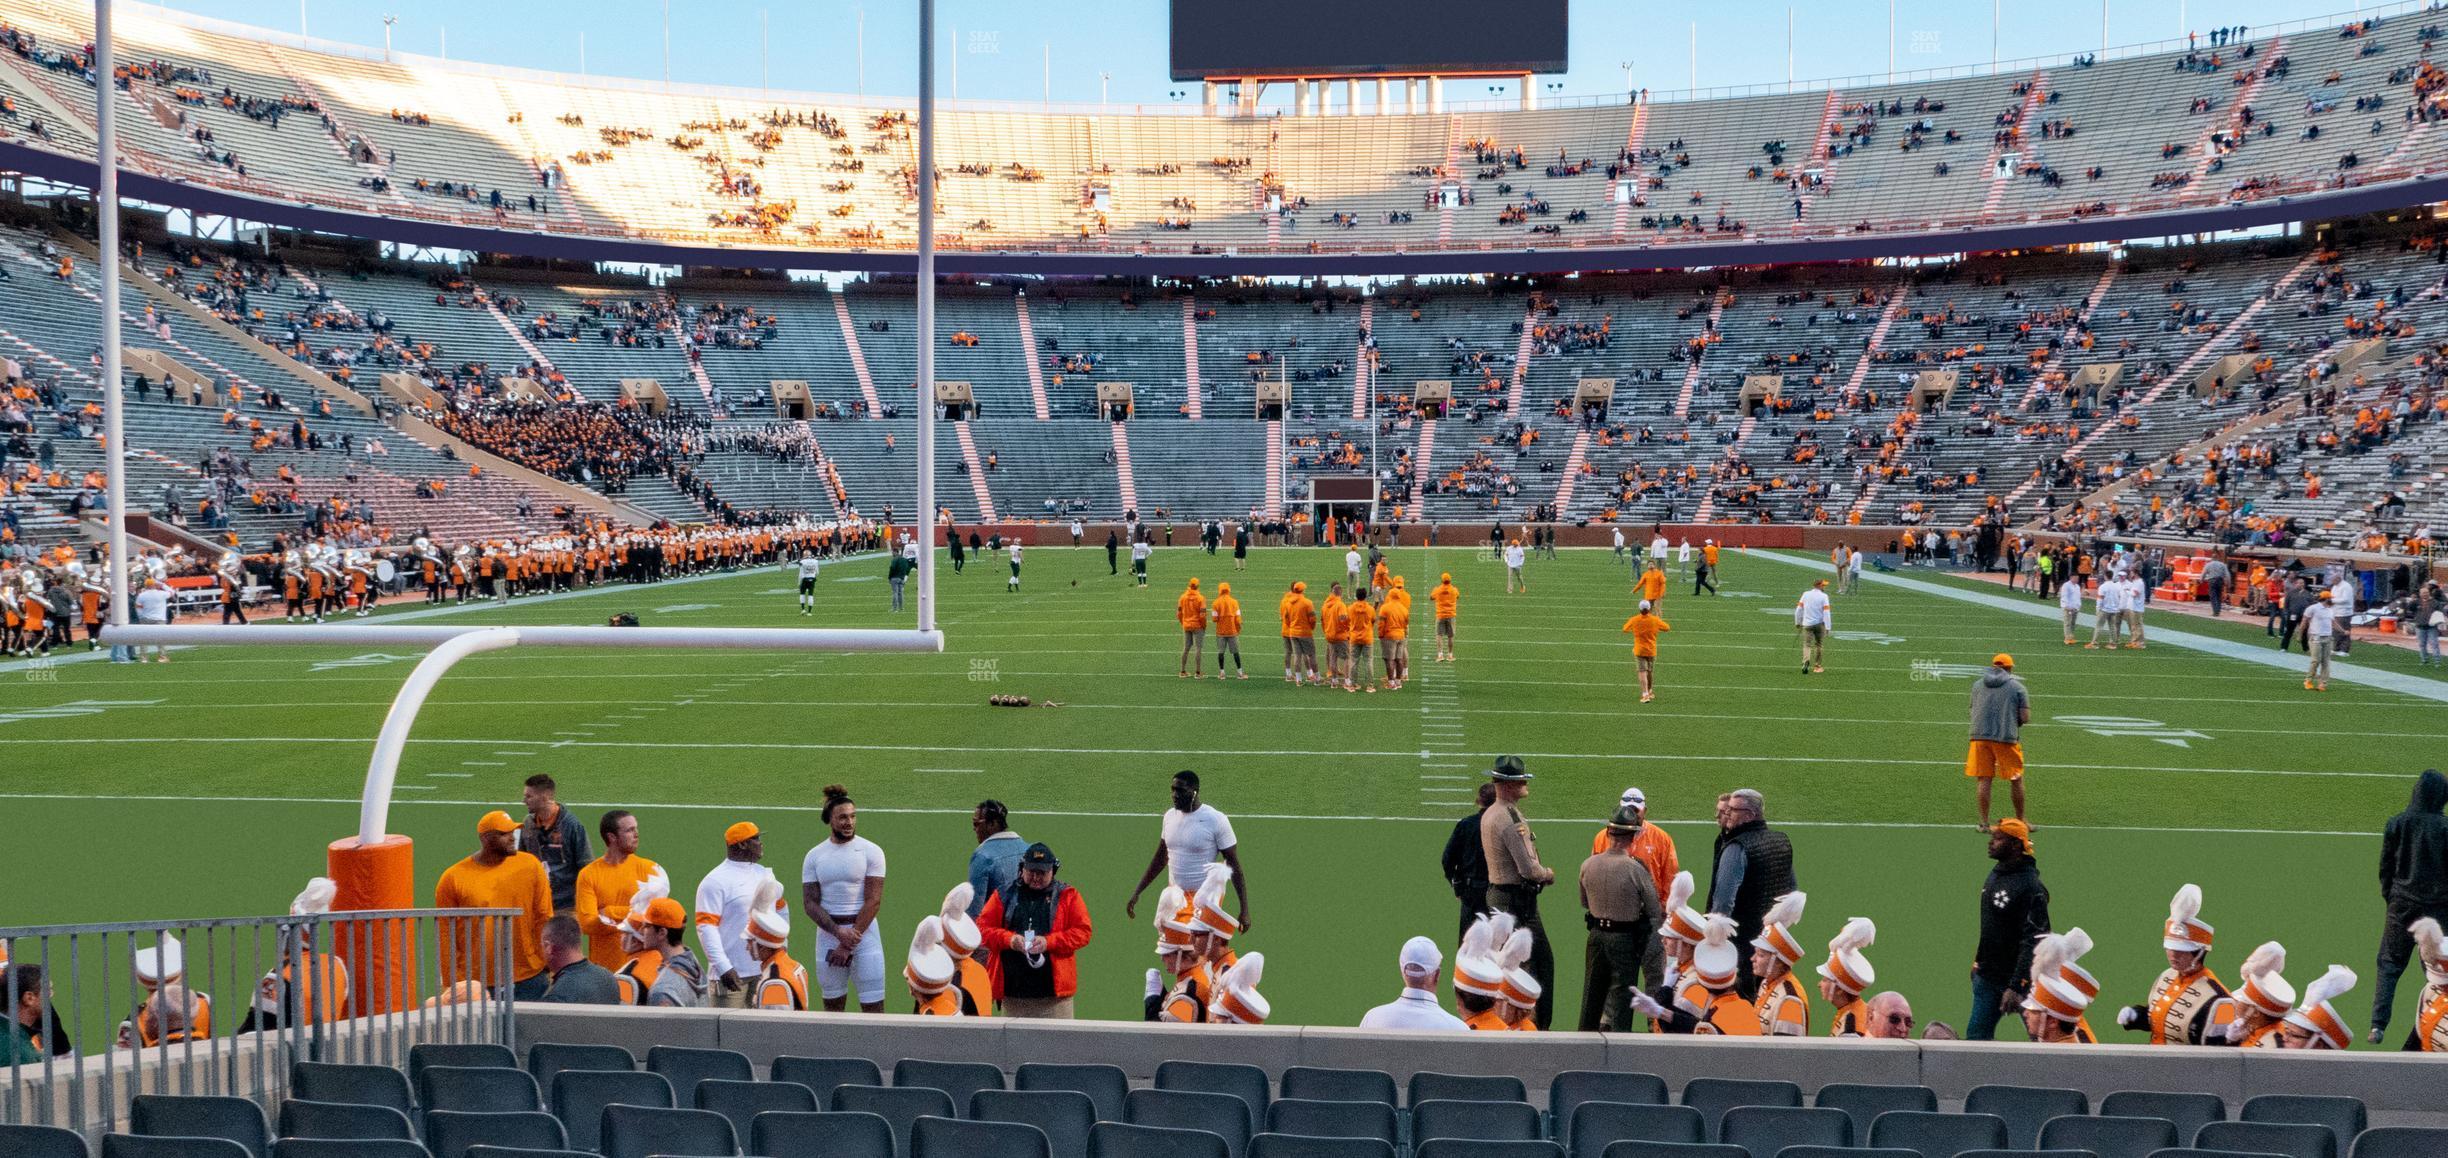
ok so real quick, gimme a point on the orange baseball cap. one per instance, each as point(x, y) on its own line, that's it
point(2003, 660)
point(744, 830)
point(496, 821)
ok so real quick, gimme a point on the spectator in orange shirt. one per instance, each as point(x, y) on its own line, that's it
point(1191, 611)
point(1652, 584)
point(496, 876)
point(1299, 634)
point(1447, 599)
point(1393, 634)
point(1226, 612)
point(1644, 628)
point(1359, 630)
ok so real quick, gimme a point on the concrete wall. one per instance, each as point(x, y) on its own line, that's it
point(2401, 1089)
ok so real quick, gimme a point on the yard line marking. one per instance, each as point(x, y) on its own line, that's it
point(414, 787)
point(514, 753)
point(1429, 776)
point(1694, 825)
point(453, 775)
point(952, 770)
point(482, 764)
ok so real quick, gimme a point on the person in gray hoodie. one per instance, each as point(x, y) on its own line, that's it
point(2413, 882)
point(2000, 708)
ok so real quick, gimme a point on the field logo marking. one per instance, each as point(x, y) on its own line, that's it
point(1930, 669)
point(369, 659)
point(2132, 726)
point(71, 710)
point(985, 671)
point(42, 670)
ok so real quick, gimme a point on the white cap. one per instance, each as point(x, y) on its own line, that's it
point(1644, 605)
point(1420, 957)
point(162, 963)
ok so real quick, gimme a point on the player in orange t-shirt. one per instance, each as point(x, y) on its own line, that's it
point(1447, 598)
point(1191, 611)
point(1653, 585)
point(1644, 628)
point(1393, 634)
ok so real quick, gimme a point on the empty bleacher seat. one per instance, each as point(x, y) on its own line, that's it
point(1224, 1115)
point(2109, 1136)
point(1490, 1121)
point(2190, 1111)
point(2401, 1142)
point(1435, 1087)
point(959, 1079)
point(684, 1068)
point(1864, 1103)
point(1573, 1087)
point(2291, 1139)
point(1317, 1118)
point(1597, 1125)
point(300, 1118)
point(548, 1058)
point(41, 1142)
point(1246, 1082)
point(479, 1090)
point(1640, 1148)
point(348, 1148)
point(580, 1096)
point(1303, 1146)
point(741, 1102)
point(200, 1116)
point(822, 1074)
point(1846, 1152)
point(353, 1084)
point(1320, 1084)
point(823, 1135)
point(475, 1055)
point(899, 1105)
point(648, 1131)
point(1066, 1116)
point(1766, 1131)
point(1938, 1135)
point(2025, 1109)
point(1484, 1148)
point(1104, 1085)
point(449, 1133)
point(1133, 1140)
point(522, 1152)
point(2345, 1117)
point(1714, 1096)
point(932, 1137)
point(143, 1146)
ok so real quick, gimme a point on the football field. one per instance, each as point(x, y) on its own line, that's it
point(209, 786)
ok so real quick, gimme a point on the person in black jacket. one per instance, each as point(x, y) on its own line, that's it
point(1466, 861)
point(1753, 867)
point(2413, 883)
point(2014, 915)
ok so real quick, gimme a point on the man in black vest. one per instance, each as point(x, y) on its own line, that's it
point(1754, 867)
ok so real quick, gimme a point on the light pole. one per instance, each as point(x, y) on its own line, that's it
point(388, 21)
point(1629, 91)
point(1104, 88)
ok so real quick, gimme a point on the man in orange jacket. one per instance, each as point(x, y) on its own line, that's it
point(1033, 931)
point(1226, 611)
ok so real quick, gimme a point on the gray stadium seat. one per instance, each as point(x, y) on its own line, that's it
point(1319, 1084)
point(959, 1079)
point(41, 1142)
point(741, 1102)
point(2401, 1142)
point(1573, 1087)
point(954, 1138)
point(1224, 1115)
point(1844, 1152)
point(2345, 1117)
point(1597, 1125)
point(1435, 1087)
point(449, 1133)
point(1714, 1096)
point(1767, 1131)
point(1104, 1085)
point(823, 1074)
point(142, 1146)
point(355, 1085)
point(823, 1135)
point(900, 1106)
point(348, 1148)
point(2190, 1111)
point(470, 1056)
point(1317, 1118)
point(1128, 1140)
point(1303, 1146)
point(200, 1116)
point(478, 1090)
point(1636, 1148)
point(2292, 1139)
point(1483, 1148)
point(2027, 1154)
point(2110, 1136)
point(1938, 1135)
point(684, 1068)
point(2025, 1109)
point(579, 1098)
point(2192, 1152)
point(548, 1058)
point(1246, 1082)
point(1065, 1116)
point(1484, 1121)
point(522, 1152)
point(300, 1118)
point(1864, 1103)
point(647, 1131)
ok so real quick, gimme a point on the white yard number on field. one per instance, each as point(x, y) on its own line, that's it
point(71, 710)
point(2130, 726)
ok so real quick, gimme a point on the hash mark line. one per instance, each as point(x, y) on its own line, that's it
point(453, 775)
point(482, 764)
point(956, 771)
point(1426, 776)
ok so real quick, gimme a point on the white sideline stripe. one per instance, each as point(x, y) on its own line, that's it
point(1669, 758)
point(1141, 816)
point(2224, 648)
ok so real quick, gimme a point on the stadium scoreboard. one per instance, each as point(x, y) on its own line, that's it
point(1303, 39)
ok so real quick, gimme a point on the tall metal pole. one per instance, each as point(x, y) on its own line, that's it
point(1695, 57)
point(106, 207)
point(1995, 12)
point(862, 52)
point(956, 62)
point(1891, 6)
point(1049, 74)
point(926, 315)
point(1789, 48)
point(582, 52)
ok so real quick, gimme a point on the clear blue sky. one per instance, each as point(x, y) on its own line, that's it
point(813, 42)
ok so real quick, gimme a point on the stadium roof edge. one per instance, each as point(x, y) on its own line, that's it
point(1756, 250)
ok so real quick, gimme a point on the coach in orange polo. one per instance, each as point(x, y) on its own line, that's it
point(496, 876)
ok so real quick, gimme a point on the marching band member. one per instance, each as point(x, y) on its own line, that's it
point(930, 971)
point(1782, 1004)
point(1706, 1002)
point(1846, 975)
point(2188, 1004)
point(2315, 1024)
point(961, 939)
point(1238, 1001)
point(2262, 1000)
point(2431, 1008)
point(2061, 990)
point(781, 983)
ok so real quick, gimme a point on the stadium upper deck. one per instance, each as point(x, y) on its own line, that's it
point(2328, 119)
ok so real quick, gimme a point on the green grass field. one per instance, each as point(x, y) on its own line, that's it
point(209, 786)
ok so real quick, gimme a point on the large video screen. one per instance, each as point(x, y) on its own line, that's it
point(1304, 38)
